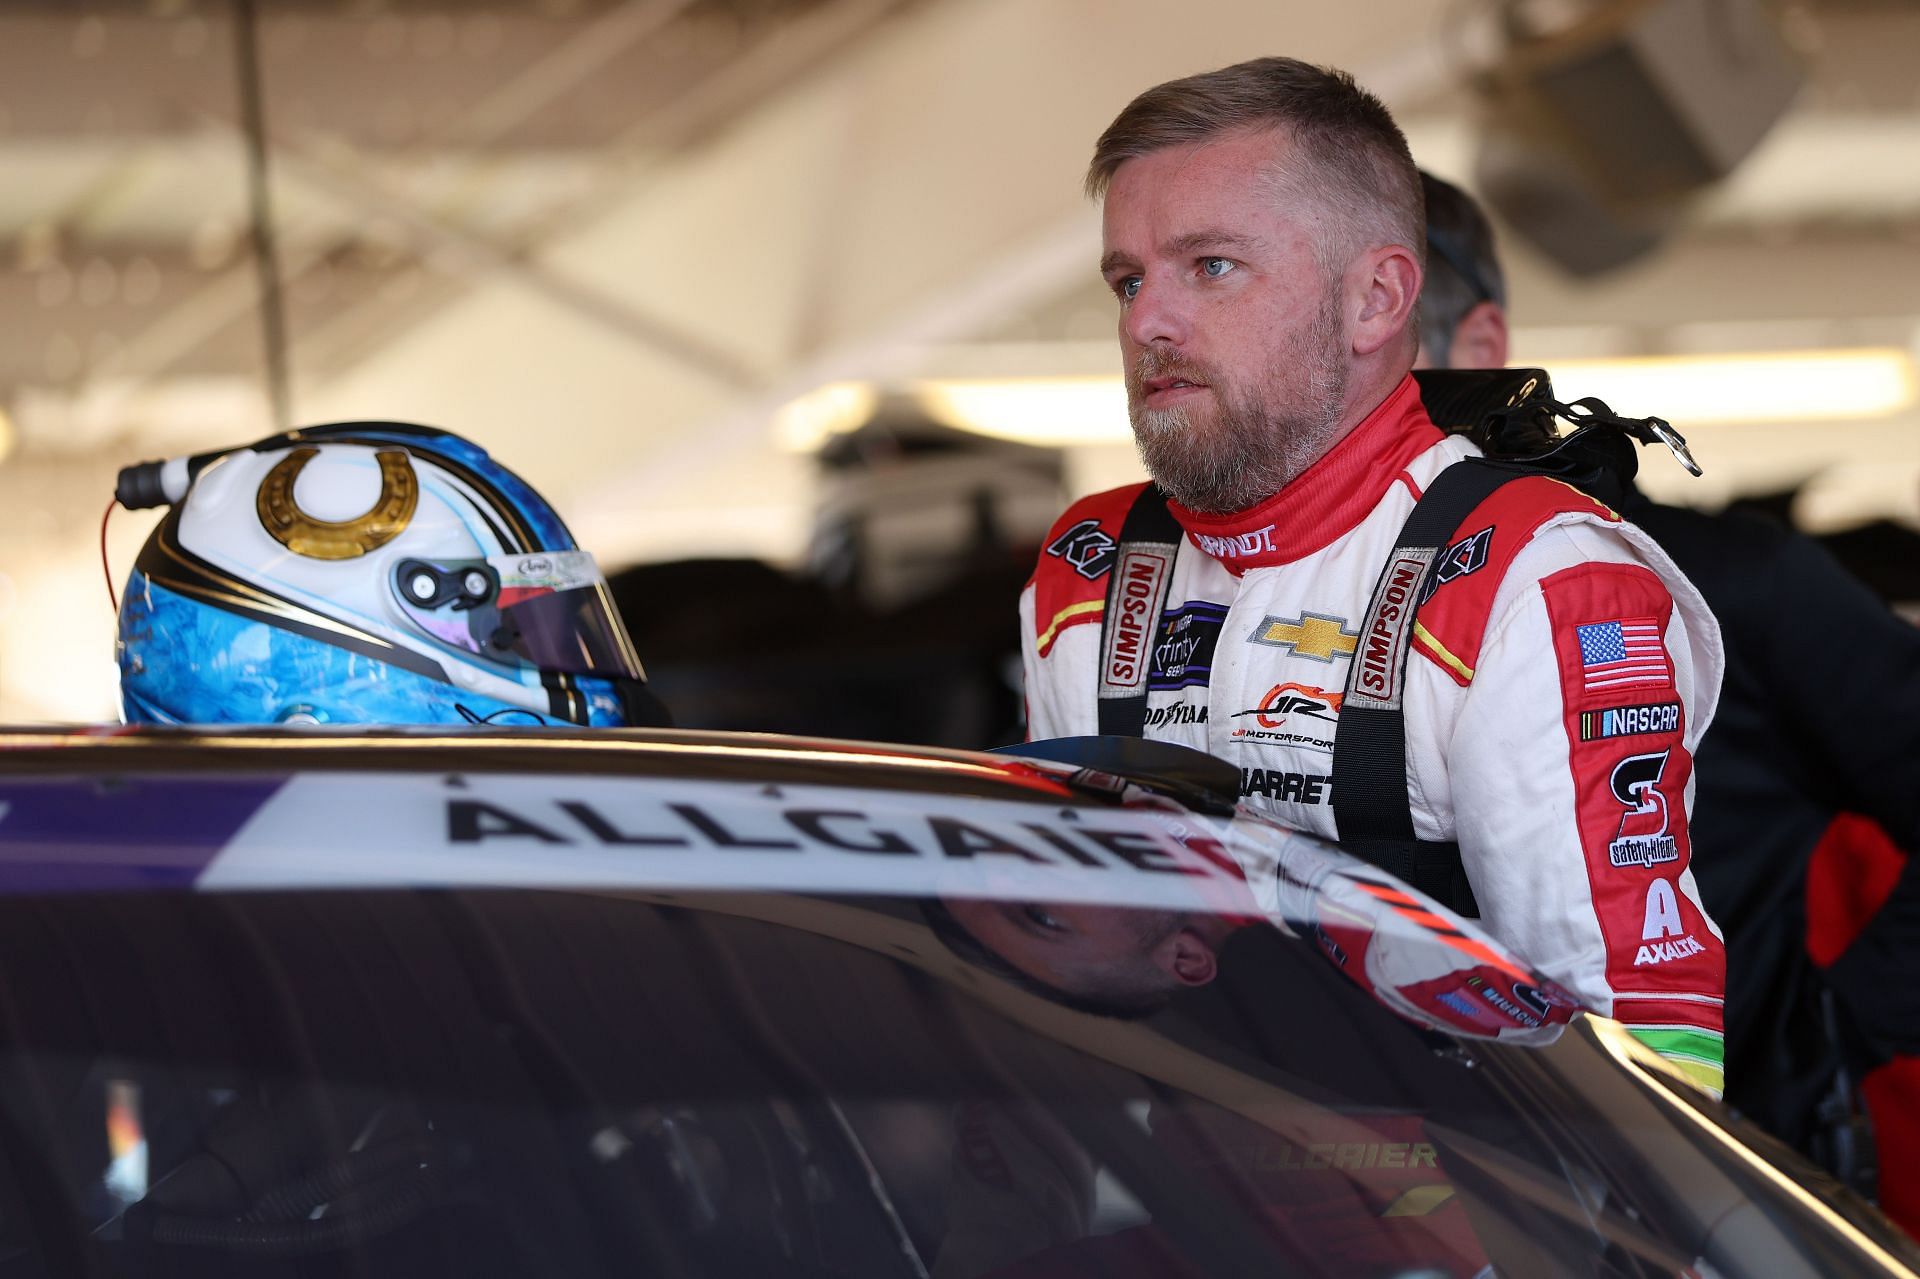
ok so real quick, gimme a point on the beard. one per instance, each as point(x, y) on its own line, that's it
point(1256, 442)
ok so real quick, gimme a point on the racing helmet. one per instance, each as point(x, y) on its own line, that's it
point(366, 573)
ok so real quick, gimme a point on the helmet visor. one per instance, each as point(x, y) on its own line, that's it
point(549, 610)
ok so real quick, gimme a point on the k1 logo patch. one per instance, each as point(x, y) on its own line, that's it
point(1468, 555)
point(1087, 547)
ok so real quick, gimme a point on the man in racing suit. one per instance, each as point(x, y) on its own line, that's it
point(1262, 229)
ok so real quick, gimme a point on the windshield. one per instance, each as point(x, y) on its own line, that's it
point(515, 1082)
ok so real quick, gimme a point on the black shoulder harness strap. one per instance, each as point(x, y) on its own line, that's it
point(1370, 807)
point(1136, 594)
point(1370, 750)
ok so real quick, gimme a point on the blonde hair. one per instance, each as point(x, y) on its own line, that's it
point(1356, 164)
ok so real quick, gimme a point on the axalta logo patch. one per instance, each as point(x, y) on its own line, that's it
point(1291, 715)
point(1642, 839)
point(1663, 932)
point(1388, 627)
point(1628, 721)
point(1237, 546)
point(1087, 548)
point(1665, 952)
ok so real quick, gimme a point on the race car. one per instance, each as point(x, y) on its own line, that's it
point(552, 1002)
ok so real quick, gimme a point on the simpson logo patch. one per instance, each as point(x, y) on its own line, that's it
point(1087, 548)
point(1388, 627)
point(1139, 581)
point(1629, 721)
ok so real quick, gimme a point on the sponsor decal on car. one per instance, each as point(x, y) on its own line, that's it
point(675, 833)
point(1184, 647)
point(1642, 839)
point(1629, 721)
point(1318, 636)
point(1087, 548)
point(1291, 715)
point(1349, 1155)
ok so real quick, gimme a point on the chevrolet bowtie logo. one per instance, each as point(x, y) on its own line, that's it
point(1309, 635)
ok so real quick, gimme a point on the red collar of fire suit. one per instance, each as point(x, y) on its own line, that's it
point(1329, 499)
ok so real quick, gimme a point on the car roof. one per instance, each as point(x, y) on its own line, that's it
point(147, 809)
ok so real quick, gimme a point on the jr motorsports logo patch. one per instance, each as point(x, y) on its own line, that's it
point(1290, 715)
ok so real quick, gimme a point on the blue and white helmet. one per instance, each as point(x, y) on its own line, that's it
point(367, 573)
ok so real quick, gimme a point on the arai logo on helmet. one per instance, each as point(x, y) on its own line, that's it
point(536, 566)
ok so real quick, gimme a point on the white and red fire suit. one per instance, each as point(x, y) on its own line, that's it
point(1562, 672)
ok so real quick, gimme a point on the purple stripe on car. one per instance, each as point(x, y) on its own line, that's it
point(62, 834)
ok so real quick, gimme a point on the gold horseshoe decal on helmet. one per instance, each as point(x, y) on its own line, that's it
point(300, 533)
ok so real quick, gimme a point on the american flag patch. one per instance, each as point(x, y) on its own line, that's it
point(1618, 654)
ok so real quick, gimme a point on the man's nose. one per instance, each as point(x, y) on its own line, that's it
point(1157, 314)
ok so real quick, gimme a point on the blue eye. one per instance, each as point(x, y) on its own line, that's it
point(1127, 288)
point(1215, 267)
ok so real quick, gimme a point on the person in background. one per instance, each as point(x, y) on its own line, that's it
point(1798, 741)
point(1264, 238)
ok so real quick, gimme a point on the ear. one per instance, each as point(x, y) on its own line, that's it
point(1388, 283)
point(1480, 339)
point(1186, 957)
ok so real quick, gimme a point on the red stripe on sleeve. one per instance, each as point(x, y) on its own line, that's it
point(1627, 751)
